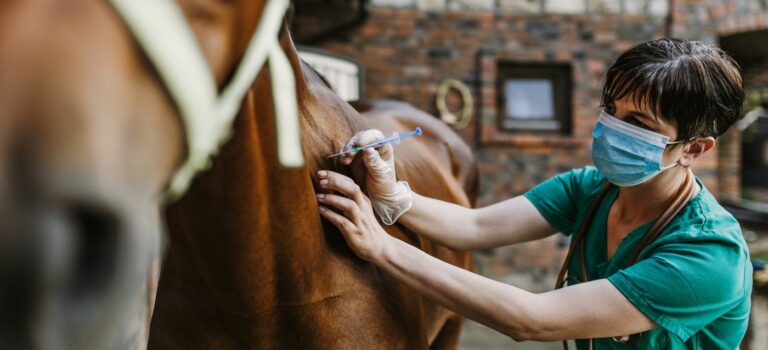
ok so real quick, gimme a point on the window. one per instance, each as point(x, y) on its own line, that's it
point(534, 97)
point(342, 73)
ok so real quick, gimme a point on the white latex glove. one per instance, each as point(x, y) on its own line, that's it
point(390, 198)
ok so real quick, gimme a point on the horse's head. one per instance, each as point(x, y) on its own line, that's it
point(90, 139)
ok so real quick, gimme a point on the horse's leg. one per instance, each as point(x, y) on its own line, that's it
point(448, 338)
point(452, 175)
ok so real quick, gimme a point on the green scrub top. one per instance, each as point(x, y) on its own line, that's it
point(694, 280)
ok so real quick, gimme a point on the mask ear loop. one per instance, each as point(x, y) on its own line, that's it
point(674, 143)
point(681, 141)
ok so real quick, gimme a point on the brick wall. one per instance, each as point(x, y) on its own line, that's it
point(708, 19)
point(408, 52)
point(756, 75)
point(711, 21)
point(410, 46)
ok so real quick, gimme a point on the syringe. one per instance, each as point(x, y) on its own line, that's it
point(395, 138)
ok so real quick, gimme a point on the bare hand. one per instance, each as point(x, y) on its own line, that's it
point(356, 222)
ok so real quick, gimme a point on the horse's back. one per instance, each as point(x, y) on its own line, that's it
point(439, 150)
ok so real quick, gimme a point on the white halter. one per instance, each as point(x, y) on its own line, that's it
point(160, 28)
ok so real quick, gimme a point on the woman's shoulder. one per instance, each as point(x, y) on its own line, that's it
point(587, 181)
point(561, 198)
point(703, 219)
point(575, 181)
point(586, 174)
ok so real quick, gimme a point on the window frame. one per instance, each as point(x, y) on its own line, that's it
point(559, 74)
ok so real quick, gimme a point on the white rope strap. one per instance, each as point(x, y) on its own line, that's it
point(160, 28)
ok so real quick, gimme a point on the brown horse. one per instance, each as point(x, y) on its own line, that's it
point(250, 263)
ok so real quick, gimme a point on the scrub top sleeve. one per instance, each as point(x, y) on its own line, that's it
point(557, 199)
point(684, 286)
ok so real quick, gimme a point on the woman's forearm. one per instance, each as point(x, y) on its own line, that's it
point(497, 305)
point(446, 223)
point(600, 309)
point(593, 309)
point(512, 221)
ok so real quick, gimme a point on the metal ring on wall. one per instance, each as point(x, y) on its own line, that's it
point(465, 115)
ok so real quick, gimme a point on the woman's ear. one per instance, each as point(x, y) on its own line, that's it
point(696, 149)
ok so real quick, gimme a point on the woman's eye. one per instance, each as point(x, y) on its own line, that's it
point(636, 122)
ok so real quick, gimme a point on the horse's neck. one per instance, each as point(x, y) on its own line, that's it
point(258, 221)
point(247, 194)
point(327, 121)
point(223, 30)
point(249, 253)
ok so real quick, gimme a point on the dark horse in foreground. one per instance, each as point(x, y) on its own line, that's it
point(90, 139)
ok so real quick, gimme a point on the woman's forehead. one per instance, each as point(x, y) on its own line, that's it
point(631, 104)
point(637, 107)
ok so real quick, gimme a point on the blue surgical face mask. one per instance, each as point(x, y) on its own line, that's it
point(627, 155)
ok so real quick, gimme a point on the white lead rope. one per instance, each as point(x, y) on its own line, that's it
point(162, 31)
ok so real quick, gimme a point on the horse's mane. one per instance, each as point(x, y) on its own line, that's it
point(459, 155)
point(326, 125)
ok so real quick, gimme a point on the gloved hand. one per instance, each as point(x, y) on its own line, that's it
point(390, 198)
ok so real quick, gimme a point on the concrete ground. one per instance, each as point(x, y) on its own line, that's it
point(757, 336)
point(475, 336)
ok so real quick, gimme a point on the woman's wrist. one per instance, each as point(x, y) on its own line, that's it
point(391, 206)
point(389, 244)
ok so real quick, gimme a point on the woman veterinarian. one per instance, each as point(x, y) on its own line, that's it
point(655, 261)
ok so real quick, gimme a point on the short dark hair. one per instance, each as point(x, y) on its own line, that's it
point(691, 84)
